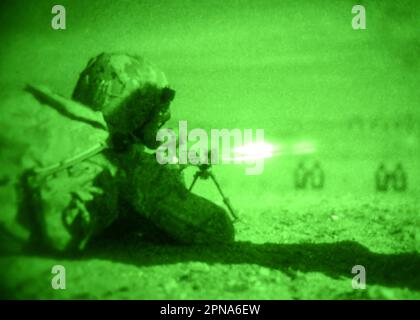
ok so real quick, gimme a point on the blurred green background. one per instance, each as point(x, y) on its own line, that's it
point(295, 69)
point(259, 62)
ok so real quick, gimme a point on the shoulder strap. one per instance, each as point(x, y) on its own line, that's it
point(62, 165)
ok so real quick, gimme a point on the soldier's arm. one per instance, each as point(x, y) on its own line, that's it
point(69, 108)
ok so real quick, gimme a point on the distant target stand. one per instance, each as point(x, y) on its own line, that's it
point(395, 179)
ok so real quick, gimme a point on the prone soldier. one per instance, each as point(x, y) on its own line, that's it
point(117, 180)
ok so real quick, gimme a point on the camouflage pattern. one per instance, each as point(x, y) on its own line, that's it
point(109, 78)
point(132, 94)
point(67, 203)
point(64, 210)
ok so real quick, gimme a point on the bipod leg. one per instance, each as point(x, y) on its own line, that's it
point(194, 181)
point(226, 200)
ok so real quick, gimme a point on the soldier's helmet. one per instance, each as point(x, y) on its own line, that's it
point(132, 93)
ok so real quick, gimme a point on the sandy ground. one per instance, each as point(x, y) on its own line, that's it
point(304, 248)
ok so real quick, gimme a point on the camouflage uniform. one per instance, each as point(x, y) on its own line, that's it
point(65, 204)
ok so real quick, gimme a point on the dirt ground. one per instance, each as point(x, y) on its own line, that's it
point(293, 251)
